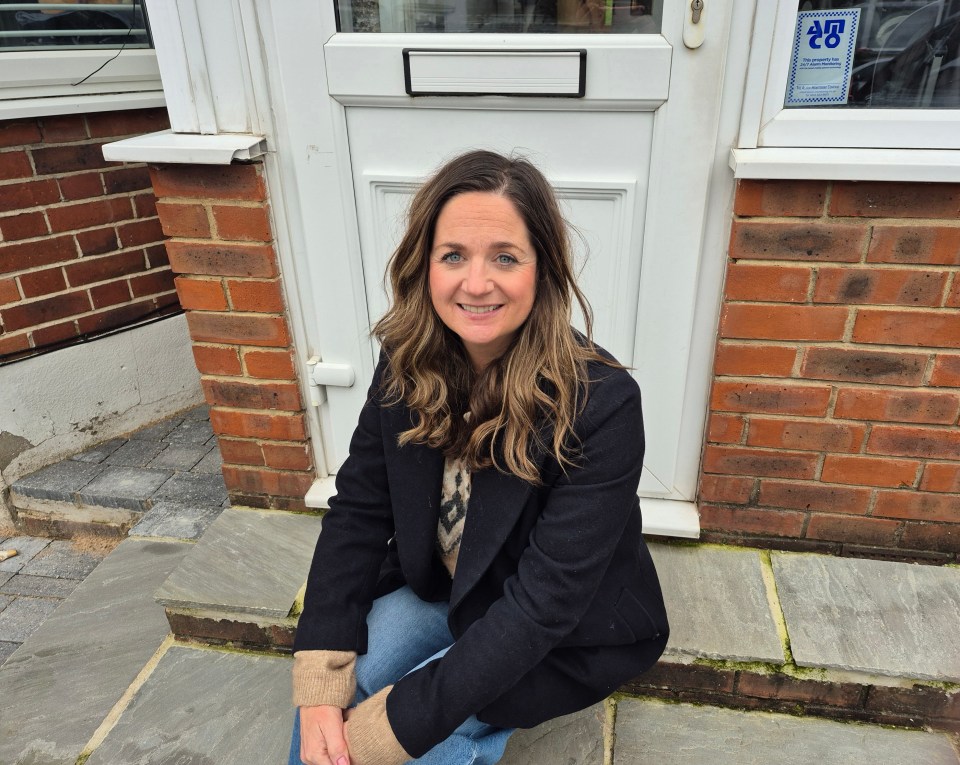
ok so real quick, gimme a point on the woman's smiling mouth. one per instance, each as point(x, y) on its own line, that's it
point(478, 308)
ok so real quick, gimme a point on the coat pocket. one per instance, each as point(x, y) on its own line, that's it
point(633, 612)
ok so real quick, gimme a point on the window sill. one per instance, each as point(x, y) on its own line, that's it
point(925, 165)
point(186, 148)
point(24, 108)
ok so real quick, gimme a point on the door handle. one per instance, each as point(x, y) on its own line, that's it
point(693, 26)
point(322, 373)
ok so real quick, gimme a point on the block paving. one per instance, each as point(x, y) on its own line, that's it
point(37, 580)
point(167, 473)
point(173, 466)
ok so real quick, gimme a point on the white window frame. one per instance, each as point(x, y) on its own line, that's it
point(766, 123)
point(44, 82)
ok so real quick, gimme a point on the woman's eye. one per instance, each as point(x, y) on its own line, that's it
point(452, 257)
point(506, 260)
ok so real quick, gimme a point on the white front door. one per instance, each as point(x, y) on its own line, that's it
point(623, 123)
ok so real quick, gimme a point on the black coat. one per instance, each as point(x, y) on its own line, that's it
point(555, 601)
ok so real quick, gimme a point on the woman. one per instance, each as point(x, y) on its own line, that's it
point(481, 566)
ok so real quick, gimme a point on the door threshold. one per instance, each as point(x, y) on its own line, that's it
point(661, 517)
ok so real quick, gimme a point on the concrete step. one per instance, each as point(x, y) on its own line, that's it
point(166, 471)
point(243, 579)
point(686, 734)
point(59, 686)
point(867, 640)
point(203, 705)
point(836, 637)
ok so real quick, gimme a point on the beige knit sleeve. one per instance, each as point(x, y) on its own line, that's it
point(324, 677)
point(370, 739)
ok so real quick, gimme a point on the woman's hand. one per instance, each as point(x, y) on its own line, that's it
point(321, 736)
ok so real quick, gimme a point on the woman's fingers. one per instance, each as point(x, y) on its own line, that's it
point(321, 736)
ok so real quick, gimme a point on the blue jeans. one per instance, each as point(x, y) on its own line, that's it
point(404, 633)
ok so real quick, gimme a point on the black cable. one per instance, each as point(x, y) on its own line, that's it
point(126, 39)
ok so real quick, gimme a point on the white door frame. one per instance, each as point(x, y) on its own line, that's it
point(318, 196)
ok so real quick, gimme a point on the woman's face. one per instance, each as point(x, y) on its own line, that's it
point(483, 273)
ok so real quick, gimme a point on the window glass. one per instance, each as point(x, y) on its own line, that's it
point(103, 24)
point(878, 53)
point(503, 16)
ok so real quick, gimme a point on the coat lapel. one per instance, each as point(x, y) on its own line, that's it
point(416, 475)
point(416, 472)
point(496, 501)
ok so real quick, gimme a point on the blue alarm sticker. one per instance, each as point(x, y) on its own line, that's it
point(822, 59)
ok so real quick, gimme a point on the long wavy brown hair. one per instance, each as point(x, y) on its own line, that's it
point(541, 380)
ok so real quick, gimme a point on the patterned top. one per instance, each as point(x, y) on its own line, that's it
point(454, 496)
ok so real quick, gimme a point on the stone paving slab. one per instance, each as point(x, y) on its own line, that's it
point(61, 481)
point(173, 520)
point(126, 487)
point(658, 732)
point(59, 686)
point(42, 586)
point(6, 650)
point(26, 547)
point(6, 576)
point(23, 616)
point(135, 454)
point(717, 603)
point(61, 559)
point(575, 739)
point(248, 561)
point(100, 452)
point(205, 707)
point(899, 619)
point(179, 456)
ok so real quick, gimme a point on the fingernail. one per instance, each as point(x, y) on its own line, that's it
point(342, 761)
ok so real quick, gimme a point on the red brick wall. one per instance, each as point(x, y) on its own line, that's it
point(836, 394)
point(80, 250)
point(221, 247)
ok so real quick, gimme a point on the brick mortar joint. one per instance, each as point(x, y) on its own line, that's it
point(825, 220)
point(246, 379)
point(63, 264)
point(802, 345)
point(84, 314)
point(844, 306)
point(211, 201)
point(268, 469)
point(206, 240)
point(818, 265)
point(264, 441)
point(256, 412)
point(241, 314)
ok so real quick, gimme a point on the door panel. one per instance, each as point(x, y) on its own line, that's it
point(602, 193)
point(598, 162)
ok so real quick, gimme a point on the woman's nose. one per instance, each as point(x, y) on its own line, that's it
point(476, 281)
